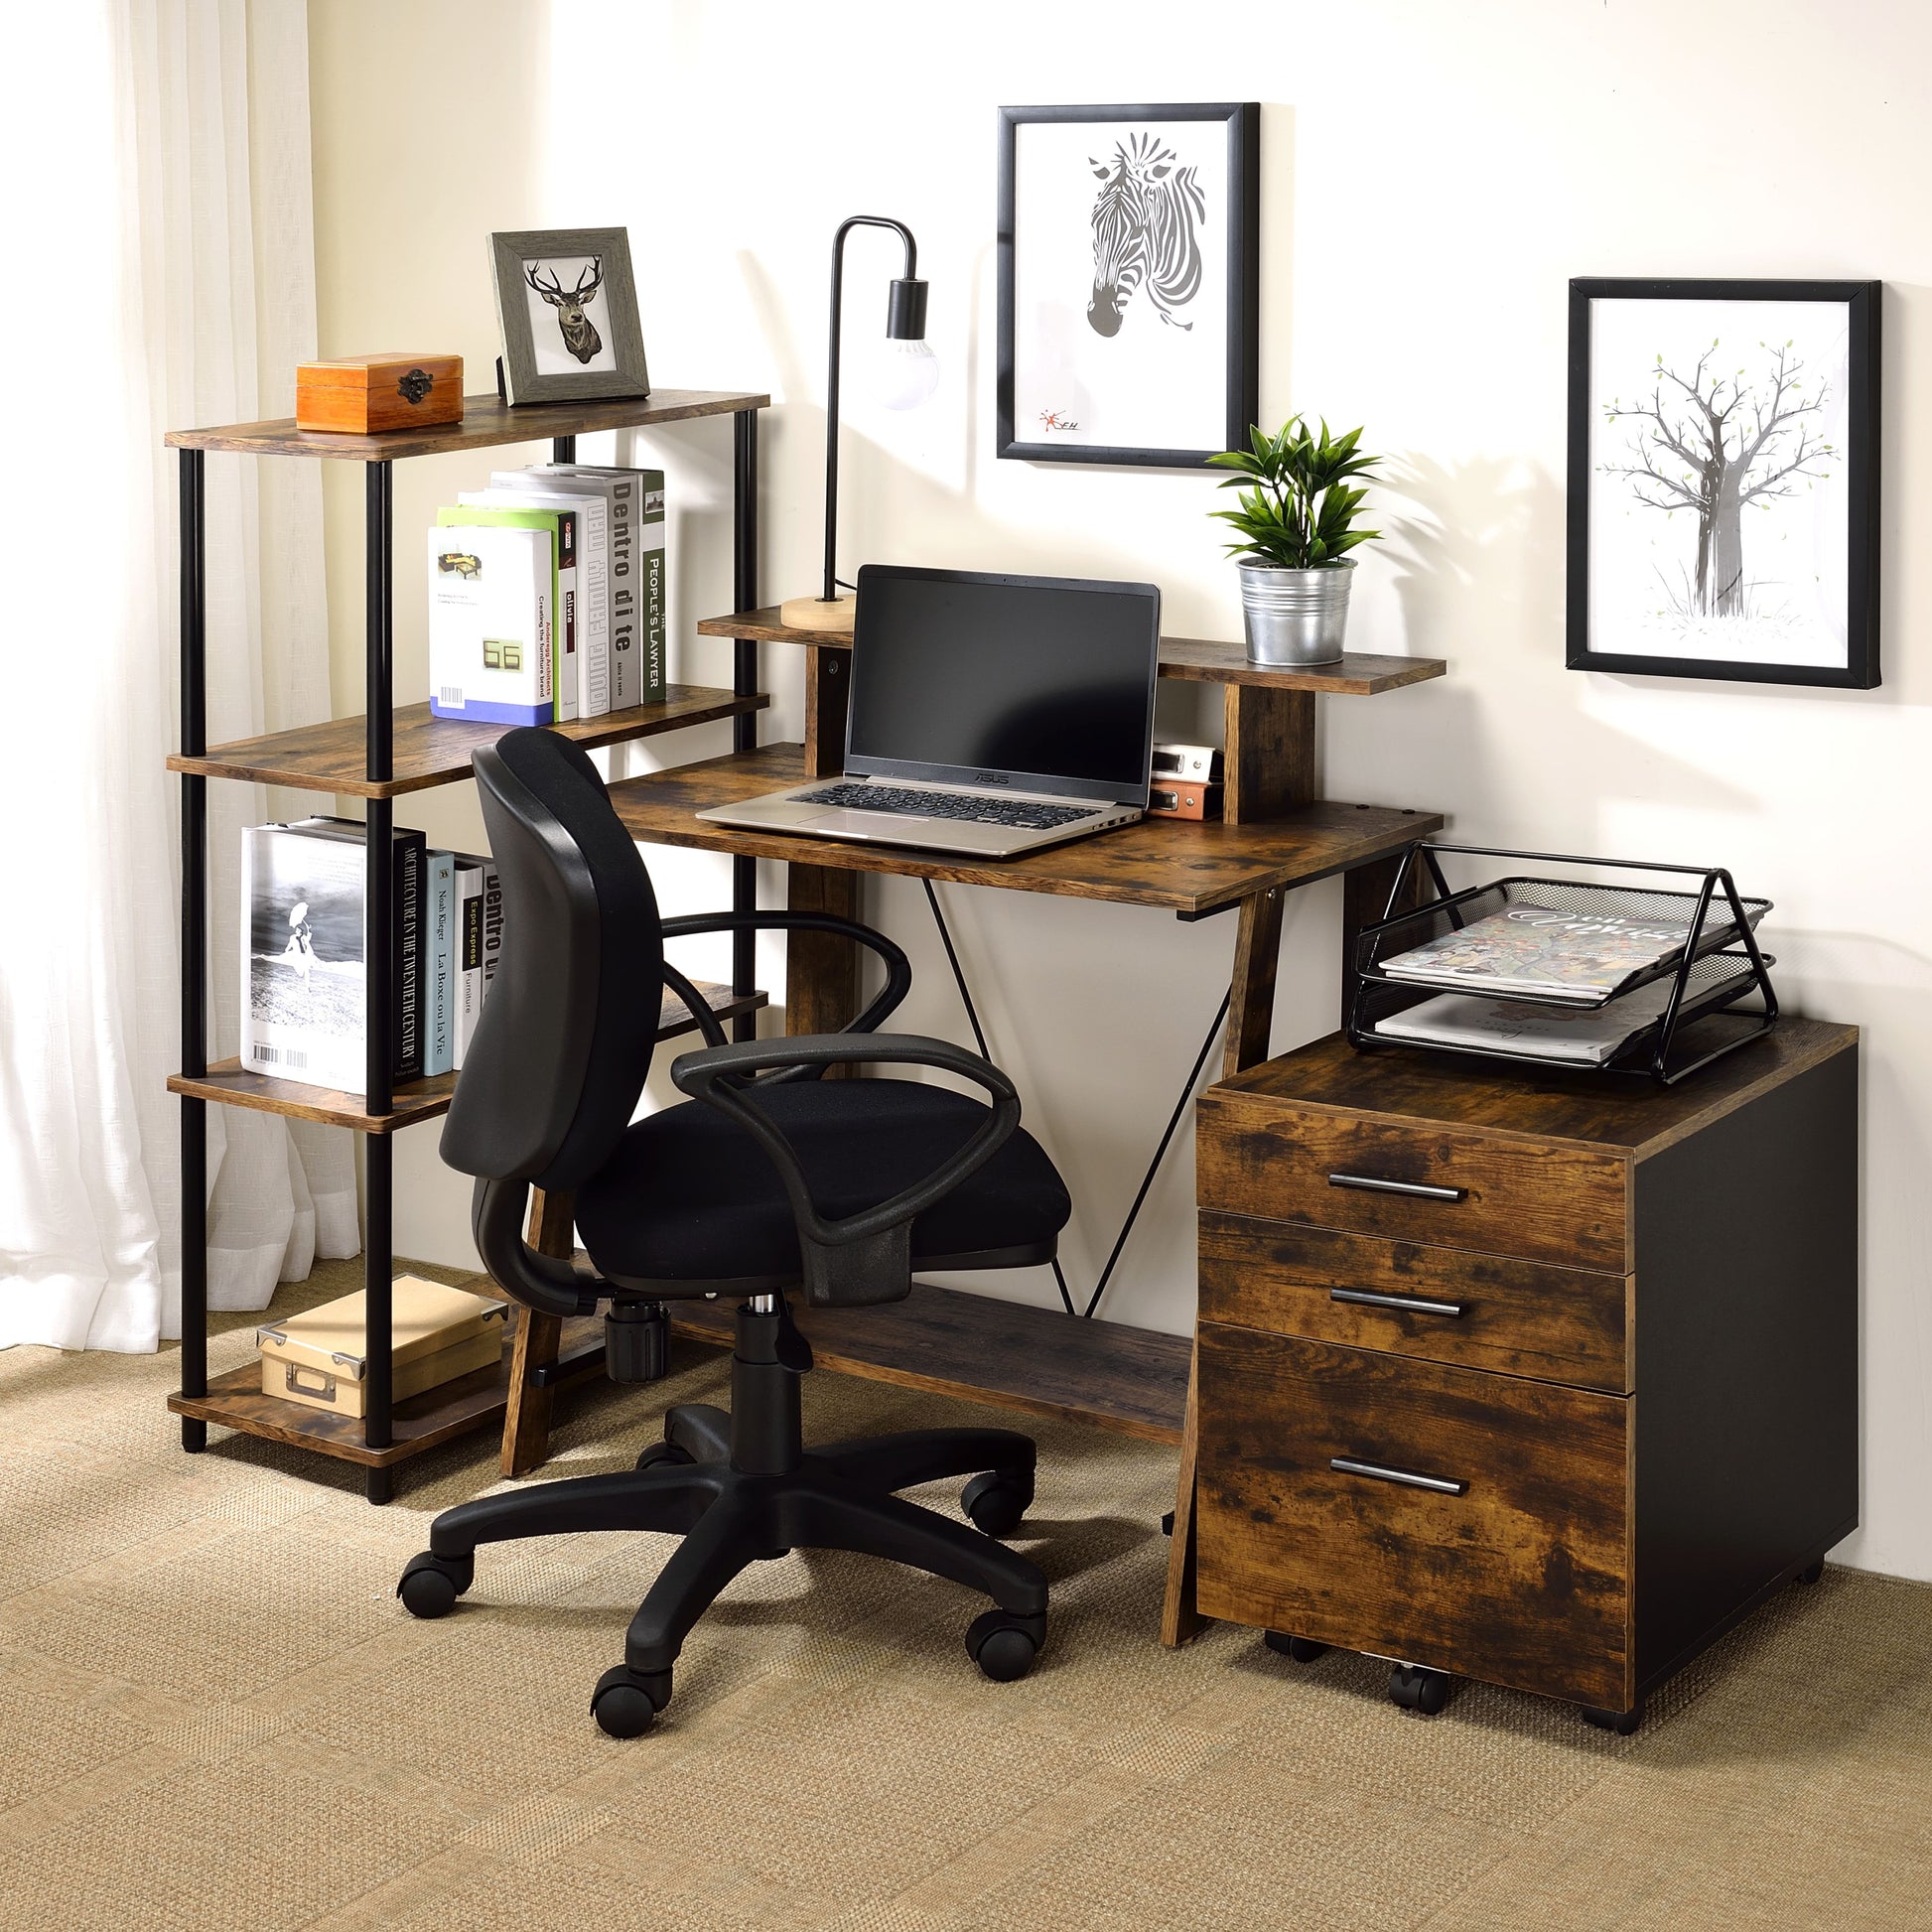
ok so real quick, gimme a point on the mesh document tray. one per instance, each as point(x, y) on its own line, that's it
point(1719, 965)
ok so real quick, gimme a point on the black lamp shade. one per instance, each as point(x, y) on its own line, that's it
point(906, 311)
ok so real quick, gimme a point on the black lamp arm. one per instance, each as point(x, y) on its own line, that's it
point(904, 320)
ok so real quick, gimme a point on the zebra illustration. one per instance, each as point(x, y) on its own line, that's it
point(1147, 219)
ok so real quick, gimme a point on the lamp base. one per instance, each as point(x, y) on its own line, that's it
point(818, 613)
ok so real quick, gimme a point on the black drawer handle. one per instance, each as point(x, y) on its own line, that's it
point(1374, 1185)
point(1368, 1298)
point(1440, 1486)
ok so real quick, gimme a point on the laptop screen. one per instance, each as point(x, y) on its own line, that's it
point(1042, 683)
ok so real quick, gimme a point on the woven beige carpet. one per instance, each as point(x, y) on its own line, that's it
point(213, 1714)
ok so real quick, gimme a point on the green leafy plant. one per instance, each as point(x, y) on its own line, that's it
point(1297, 505)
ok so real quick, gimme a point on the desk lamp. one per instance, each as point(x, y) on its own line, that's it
point(909, 371)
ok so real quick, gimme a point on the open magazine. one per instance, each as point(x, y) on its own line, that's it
point(1549, 953)
point(1590, 1036)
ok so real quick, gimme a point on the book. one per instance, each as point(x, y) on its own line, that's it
point(639, 591)
point(561, 527)
point(407, 930)
point(1550, 953)
point(304, 966)
point(1590, 1036)
point(491, 593)
point(591, 501)
point(438, 1052)
point(478, 941)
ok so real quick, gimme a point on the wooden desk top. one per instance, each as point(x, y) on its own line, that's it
point(1166, 862)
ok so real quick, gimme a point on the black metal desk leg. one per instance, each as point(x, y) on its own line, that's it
point(193, 946)
point(745, 680)
point(380, 964)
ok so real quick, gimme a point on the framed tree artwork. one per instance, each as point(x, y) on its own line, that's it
point(1724, 479)
point(1129, 270)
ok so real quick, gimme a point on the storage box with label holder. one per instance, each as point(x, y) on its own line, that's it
point(369, 395)
point(320, 1357)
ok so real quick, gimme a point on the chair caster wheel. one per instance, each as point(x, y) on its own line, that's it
point(1417, 1688)
point(1004, 1644)
point(1299, 1650)
point(996, 1502)
point(662, 1452)
point(1810, 1573)
point(626, 1702)
point(1623, 1723)
point(430, 1583)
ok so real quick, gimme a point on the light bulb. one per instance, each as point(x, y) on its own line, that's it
point(907, 372)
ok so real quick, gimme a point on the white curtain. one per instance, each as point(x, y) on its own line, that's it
point(171, 282)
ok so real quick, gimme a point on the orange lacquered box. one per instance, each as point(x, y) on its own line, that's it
point(369, 395)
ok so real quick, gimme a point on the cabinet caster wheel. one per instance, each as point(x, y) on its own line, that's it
point(1623, 1723)
point(662, 1452)
point(996, 1502)
point(1003, 1643)
point(626, 1703)
point(1299, 1650)
point(1417, 1688)
point(430, 1583)
point(1810, 1573)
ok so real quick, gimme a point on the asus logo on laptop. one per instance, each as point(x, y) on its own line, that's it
point(991, 778)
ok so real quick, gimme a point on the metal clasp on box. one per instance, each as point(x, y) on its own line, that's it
point(323, 1386)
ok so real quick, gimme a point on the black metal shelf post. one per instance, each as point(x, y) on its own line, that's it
point(745, 681)
point(194, 942)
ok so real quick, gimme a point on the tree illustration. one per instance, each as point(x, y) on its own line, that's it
point(1713, 443)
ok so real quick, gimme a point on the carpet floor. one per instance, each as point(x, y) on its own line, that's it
point(213, 1714)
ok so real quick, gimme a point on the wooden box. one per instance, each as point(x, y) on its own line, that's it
point(369, 395)
point(320, 1357)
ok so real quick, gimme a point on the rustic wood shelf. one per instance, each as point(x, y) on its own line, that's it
point(474, 1401)
point(1043, 1361)
point(1190, 868)
point(230, 1084)
point(431, 751)
point(1201, 660)
point(488, 422)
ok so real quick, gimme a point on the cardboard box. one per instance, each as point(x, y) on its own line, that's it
point(320, 1357)
point(369, 395)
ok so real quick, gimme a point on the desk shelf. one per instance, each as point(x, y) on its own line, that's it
point(431, 751)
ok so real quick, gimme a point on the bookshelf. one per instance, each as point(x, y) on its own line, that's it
point(384, 754)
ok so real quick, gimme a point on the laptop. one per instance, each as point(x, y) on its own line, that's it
point(988, 715)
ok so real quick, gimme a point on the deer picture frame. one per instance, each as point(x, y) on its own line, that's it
point(1724, 479)
point(567, 312)
point(1129, 282)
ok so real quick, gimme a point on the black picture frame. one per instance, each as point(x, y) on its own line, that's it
point(1243, 220)
point(1862, 303)
point(610, 247)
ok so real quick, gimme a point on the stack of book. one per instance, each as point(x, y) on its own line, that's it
point(547, 597)
point(1573, 985)
point(305, 953)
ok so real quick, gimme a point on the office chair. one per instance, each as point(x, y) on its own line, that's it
point(768, 1179)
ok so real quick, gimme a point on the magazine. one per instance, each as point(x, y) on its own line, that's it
point(1590, 1036)
point(1549, 953)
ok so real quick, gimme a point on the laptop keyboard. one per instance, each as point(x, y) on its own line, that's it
point(964, 806)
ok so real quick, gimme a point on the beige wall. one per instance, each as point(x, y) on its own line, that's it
point(1433, 176)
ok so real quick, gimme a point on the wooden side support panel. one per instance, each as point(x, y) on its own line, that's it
point(1269, 755)
point(526, 1422)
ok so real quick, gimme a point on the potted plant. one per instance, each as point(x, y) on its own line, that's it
point(1296, 519)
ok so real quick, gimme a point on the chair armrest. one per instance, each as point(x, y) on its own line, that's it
point(873, 1249)
point(898, 969)
point(695, 1002)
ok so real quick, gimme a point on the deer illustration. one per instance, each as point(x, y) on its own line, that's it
point(580, 332)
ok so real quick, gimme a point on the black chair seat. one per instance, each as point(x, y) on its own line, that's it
point(689, 1195)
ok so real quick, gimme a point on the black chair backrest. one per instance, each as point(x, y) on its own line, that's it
point(552, 1078)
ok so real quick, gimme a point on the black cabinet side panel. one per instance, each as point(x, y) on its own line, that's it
point(1746, 1436)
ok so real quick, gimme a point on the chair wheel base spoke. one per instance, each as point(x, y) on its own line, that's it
point(1005, 1644)
point(430, 1584)
point(626, 1703)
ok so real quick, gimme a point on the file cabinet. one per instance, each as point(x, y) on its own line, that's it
point(1547, 1381)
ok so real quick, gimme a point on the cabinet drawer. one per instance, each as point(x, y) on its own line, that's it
point(1511, 1566)
point(1446, 1304)
point(1545, 1200)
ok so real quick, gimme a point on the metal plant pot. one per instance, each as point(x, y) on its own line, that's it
point(1295, 617)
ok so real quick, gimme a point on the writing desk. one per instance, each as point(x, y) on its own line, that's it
point(1276, 836)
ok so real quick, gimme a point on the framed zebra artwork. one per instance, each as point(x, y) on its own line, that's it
point(1129, 260)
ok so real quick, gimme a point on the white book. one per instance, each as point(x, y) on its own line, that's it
point(639, 593)
point(1590, 1036)
point(490, 642)
point(552, 514)
point(537, 489)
